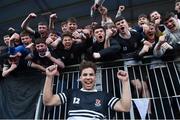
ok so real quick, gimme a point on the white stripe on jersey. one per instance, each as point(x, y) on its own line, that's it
point(63, 98)
point(112, 101)
point(82, 118)
point(89, 113)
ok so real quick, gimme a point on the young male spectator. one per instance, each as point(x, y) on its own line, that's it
point(171, 36)
point(102, 40)
point(127, 43)
point(43, 56)
point(70, 52)
point(63, 26)
point(42, 27)
point(141, 23)
point(156, 18)
point(53, 39)
point(79, 35)
point(87, 103)
point(71, 24)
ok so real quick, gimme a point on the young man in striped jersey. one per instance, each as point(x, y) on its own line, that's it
point(87, 103)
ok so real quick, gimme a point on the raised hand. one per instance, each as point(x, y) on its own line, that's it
point(121, 8)
point(53, 16)
point(32, 15)
point(96, 55)
point(122, 75)
point(51, 70)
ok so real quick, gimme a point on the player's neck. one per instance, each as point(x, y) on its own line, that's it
point(84, 90)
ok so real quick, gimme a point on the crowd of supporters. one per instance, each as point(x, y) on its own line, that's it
point(112, 39)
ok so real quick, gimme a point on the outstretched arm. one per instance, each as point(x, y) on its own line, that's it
point(7, 71)
point(54, 60)
point(124, 103)
point(49, 98)
point(52, 19)
point(25, 23)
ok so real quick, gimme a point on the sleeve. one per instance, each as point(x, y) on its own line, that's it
point(64, 96)
point(112, 101)
point(36, 35)
point(113, 49)
point(6, 63)
point(158, 51)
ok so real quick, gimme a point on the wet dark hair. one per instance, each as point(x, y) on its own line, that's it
point(53, 32)
point(40, 40)
point(177, 1)
point(66, 34)
point(167, 16)
point(142, 15)
point(72, 20)
point(98, 26)
point(5, 36)
point(87, 64)
point(63, 23)
point(42, 23)
point(24, 33)
point(119, 19)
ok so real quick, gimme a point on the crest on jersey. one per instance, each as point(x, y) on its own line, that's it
point(98, 103)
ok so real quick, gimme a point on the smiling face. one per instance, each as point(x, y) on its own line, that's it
point(142, 21)
point(171, 24)
point(155, 16)
point(99, 34)
point(88, 78)
point(71, 26)
point(41, 48)
point(67, 42)
point(43, 30)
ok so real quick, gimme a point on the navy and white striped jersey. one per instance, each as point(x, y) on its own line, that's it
point(85, 104)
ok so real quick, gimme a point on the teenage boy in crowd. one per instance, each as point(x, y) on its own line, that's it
point(69, 51)
point(42, 27)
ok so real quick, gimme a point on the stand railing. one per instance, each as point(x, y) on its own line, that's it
point(162, 80)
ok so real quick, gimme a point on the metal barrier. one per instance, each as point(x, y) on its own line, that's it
point(159, 97)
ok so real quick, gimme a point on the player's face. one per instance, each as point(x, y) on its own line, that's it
point(88, 78)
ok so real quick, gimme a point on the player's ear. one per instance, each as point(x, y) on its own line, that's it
point(80, 78)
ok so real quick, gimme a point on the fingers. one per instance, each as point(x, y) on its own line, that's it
point(121, 7)
point(51, 68)
point(96, 55)
point(32, 15)
point(122, 73)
